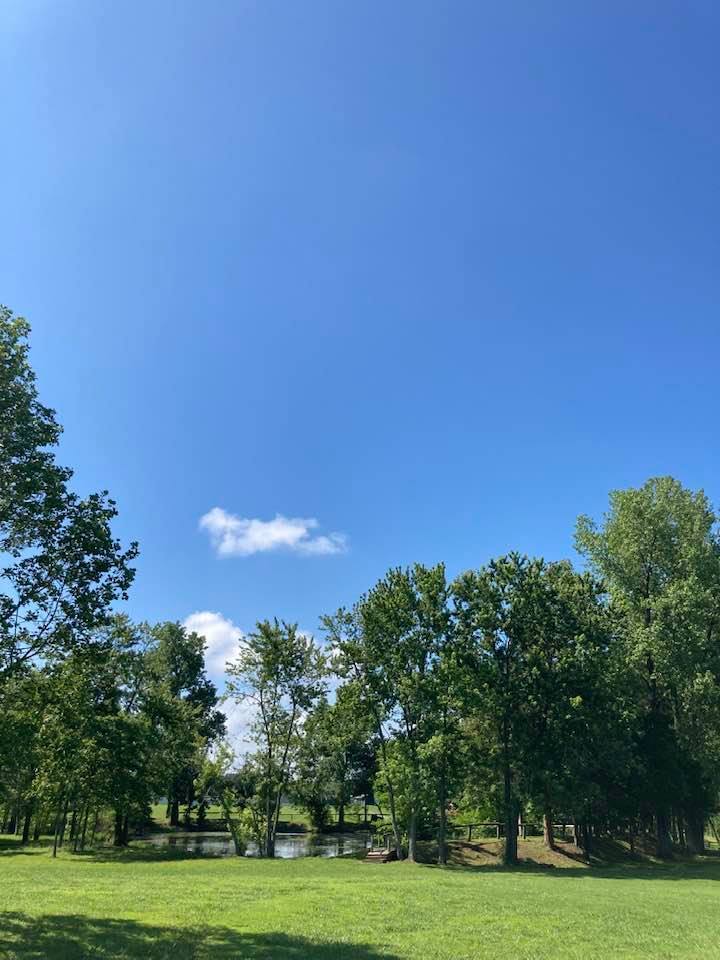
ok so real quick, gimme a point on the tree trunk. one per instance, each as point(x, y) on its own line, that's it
point(118, 830)
point(412, 836)
point(56, 832)
point(548, 832)
point(442, 832)
point(341, 814)
point(175, 812)
point(510, 811)
point(26, 823)
point(663, 847)
point(695, 831)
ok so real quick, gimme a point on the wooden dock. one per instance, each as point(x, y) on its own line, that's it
point(378, 855)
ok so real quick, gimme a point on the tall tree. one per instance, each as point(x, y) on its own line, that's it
point(175, 661)
point(61, 566)
point(389, 644)
point(657, 549)
point(280, 672)
point(336, 756)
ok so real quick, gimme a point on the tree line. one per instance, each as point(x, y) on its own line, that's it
point(523, 688)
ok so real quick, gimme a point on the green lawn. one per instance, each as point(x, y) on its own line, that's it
point(290, 815)
point(144, 904)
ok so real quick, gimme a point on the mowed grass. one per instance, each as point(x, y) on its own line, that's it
point(151, 904)
point(291, 815)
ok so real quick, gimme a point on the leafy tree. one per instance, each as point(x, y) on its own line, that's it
point(657, 549)
point(280, 672)
point(175, 661)
point(336, 758)
point(390, 644)
point(62, 568)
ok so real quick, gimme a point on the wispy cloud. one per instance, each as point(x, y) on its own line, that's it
point(222, 639)
point(234, 536)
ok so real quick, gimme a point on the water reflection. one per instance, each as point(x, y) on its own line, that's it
point(288, 846)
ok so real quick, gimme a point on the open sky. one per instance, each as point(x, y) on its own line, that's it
point(362, 283)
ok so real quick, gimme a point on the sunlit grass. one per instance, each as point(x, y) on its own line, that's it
point(144, 904)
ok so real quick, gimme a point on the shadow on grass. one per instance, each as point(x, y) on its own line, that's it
point(673, 870)
point(75, 937)
point(135, 853)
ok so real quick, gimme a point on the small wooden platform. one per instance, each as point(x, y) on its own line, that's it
point(380, 856)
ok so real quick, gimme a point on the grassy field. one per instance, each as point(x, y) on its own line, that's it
point(143, 903)
point(291, 816)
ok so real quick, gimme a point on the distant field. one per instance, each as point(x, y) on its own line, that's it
point(289, 814)
point(143, 903)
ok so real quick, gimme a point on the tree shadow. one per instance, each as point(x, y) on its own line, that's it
point(699, 870)
point(76, 937)
point(137, 852)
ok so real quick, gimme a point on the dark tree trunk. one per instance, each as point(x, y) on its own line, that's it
point(548, 831)
point(511, 820)
point(175, 812)
point(118, 840)
point(695, 832)
point(442, 833)
point(341, 814)
point(125, 830)
point(510, 812)
point(12, 825)
point(663, 847)
point(26, 823)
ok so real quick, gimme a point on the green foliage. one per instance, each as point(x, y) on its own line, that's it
point(62, 566)
point(279, 672)
point(659, 553)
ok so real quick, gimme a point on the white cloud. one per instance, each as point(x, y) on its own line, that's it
point(221, 636)
point(240, 536)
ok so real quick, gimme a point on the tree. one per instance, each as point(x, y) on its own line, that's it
point(175, 661)
point(390, 644)
point(336, 758)
point(62, 568)
point(657, 549)
point(495, 617)
point(280, 672)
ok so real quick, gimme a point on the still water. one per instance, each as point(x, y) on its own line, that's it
point(288, 846)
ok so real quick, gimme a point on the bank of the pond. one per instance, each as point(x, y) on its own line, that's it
point(152, 903)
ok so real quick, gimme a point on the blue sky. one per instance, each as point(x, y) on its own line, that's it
point(437, 276)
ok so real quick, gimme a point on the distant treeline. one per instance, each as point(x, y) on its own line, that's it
point(520, 689)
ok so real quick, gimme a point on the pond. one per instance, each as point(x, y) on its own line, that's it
point(288, 846)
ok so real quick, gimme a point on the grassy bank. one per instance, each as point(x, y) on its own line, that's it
point(145, 903)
